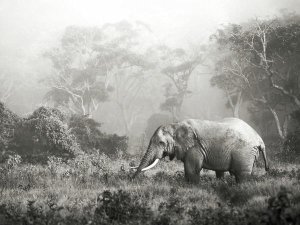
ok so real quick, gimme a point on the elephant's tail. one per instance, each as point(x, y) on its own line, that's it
point(262, 148)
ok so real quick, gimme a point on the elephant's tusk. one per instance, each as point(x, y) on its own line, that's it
point(152, 165)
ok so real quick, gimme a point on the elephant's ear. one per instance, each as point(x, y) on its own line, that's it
point(185, 136)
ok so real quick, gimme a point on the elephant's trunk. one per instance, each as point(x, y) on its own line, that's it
point(263, 150)
point(149, 160)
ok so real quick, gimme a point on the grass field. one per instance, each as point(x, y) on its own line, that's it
point(97, 190)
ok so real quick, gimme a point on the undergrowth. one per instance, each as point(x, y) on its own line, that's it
point(95, 189)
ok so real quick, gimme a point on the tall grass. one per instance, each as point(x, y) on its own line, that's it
point(94, 189)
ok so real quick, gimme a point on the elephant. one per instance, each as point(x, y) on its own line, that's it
point(229, 144)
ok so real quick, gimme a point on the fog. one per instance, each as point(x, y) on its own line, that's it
point(30, 28)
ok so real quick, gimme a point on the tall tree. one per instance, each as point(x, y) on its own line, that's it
point(267, 53)
point(127, 67)
point(77, 82)
point(177, 65)
point(91, 62)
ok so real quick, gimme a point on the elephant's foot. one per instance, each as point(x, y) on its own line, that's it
point(242, 176)
point(219, 174)
point(194, 179)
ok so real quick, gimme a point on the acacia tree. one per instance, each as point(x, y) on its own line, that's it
point(127, 65)
point(94, 63)
point(177, 65)
point(269, 54)
point(232, 78)
point(77, 81)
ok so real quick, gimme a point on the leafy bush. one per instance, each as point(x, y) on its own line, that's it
point(89, 136)
point(86, 131)
point(171, 212)
point(280, 211)
point(43, 134)
point(121, 208)
point(292, 144)
point(8, 121)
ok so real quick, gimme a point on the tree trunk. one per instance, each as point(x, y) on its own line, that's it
point(280, 131)
point(124, 117)
point(235, 107)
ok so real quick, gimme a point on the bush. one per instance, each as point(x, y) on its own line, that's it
point(43, 134)
point(280, 210)
point(292, 144)
point(8, 122)
point(121, 208)
point(89, 136)
point(171, 212)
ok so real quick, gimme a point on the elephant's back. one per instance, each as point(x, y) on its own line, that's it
point(222, 130)
point(242, 130)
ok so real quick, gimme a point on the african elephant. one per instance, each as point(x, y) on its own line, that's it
point(225, 145)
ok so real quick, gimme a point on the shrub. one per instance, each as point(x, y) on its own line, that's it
point(292, 144)
point(171, 212)
point(112, 144)
point(89, 136)
point(43, 134)
point(8, 121)
point(280, 210)
point(121, 208)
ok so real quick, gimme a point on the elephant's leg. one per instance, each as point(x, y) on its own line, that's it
point(242, 176)
point(242, 164)
point(192, 165)
point(219, 174)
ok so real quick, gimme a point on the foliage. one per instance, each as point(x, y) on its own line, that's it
point(170, 212)
point(86, 130)
point(76, 80)
point(89, 59)
point(178, 65)
point(8, 122)
point(292, 144)
point(121, 208)
point(154, 122)
point(88, 134)
point(42, 134)
point(258, 62)
point(94, 189)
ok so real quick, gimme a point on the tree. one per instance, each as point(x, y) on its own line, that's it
point(94, 65)
point(127, 65)
point(177, 65)
point(44, 133)
point(78, 79)
point(263, 65)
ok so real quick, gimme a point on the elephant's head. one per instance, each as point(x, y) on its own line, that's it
point(169, 140)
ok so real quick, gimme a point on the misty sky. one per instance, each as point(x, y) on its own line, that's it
point(30, 27)
point(28, 24)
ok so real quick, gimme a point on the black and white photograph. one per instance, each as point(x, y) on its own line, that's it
point(151, 112)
